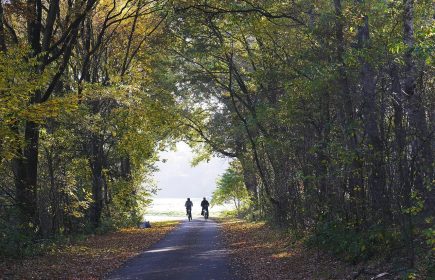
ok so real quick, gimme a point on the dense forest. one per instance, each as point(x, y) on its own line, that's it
point(325, 107)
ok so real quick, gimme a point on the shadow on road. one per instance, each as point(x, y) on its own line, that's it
point(193, 251)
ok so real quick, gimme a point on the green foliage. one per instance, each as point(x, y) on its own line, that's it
point(18, 242)
point(15, 241)
point(429, 237)
point(231, 188)
point(429, 234)
point(353, 244)
point(18, 83)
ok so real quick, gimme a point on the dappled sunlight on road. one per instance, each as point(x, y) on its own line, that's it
point(194, 251)
point(167, 249)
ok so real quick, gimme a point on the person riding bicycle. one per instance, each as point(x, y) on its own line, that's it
point(204, 205)
point(188, 206)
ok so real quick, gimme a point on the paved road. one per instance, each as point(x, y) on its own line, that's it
point(194, 251)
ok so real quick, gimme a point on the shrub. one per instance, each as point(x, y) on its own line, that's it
point(353, 244)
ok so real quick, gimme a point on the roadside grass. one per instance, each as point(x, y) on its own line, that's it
point(91, 258)
point(259, 251)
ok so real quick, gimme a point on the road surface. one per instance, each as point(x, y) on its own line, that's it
point(193, 251)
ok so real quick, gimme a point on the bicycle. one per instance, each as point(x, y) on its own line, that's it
point(205, 214)
point(189, 214)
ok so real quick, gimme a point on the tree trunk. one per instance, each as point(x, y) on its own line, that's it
point(325, 194)
point(126, 167)
point(2, 30)
point(376, 178)
point(26, 164)
point(250, 181)
point(355, 182)
point(53, 193)
point(421, 153)
point(26, 175)
point(405, 187)
point(96, 162)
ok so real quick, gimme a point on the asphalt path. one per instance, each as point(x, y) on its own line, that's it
point(194, 251)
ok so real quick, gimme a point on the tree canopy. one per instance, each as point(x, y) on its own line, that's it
point(326, 108)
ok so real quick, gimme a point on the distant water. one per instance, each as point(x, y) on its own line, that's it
point(166, 209)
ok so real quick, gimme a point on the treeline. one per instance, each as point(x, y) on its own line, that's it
point(80, 120)
point(329, 108)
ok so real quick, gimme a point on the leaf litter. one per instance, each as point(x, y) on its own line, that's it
point(260, 252)
point(92, 258)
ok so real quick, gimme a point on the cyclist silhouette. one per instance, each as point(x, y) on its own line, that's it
point(204, 205)
point(188, 205)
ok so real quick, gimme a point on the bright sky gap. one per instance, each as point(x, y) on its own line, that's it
point(177, 178)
